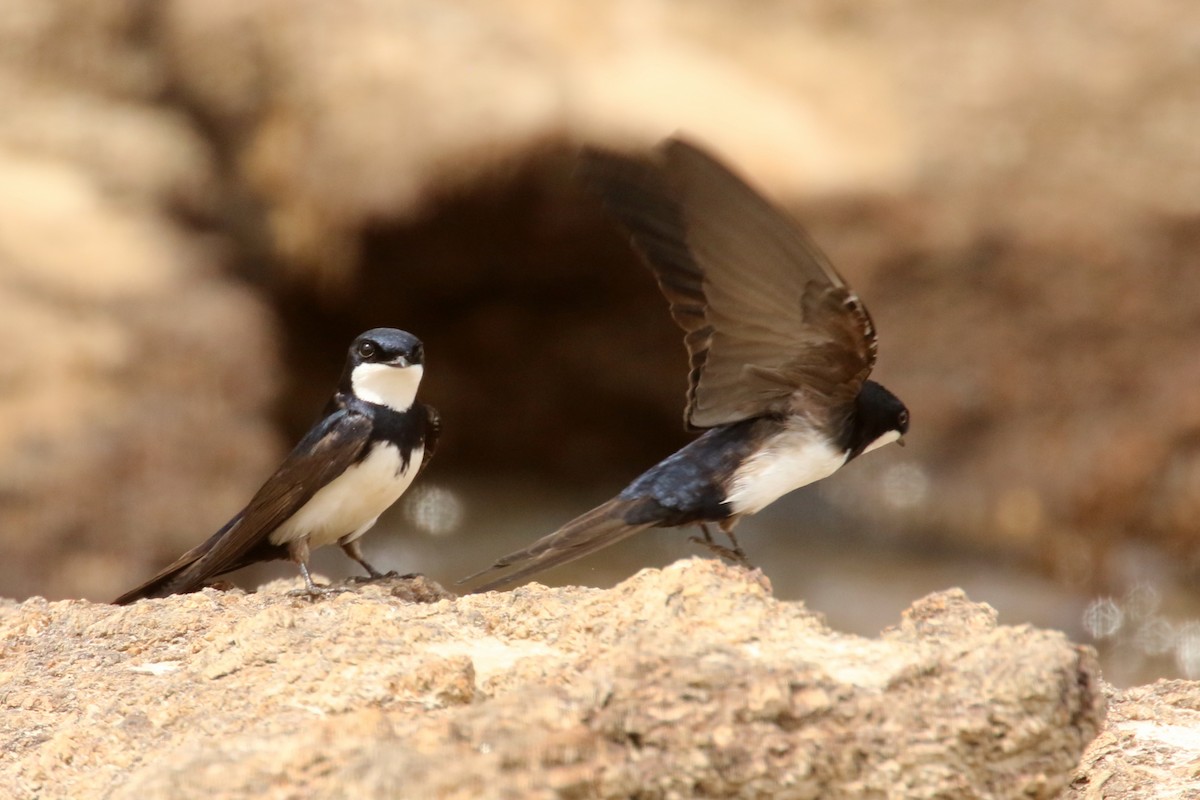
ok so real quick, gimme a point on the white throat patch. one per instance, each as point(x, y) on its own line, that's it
point(394, 387)
point(887, 438)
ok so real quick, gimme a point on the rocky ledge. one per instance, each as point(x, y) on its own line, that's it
point(687, 681)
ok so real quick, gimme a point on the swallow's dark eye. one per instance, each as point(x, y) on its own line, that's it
point(418, 355)
point(366, 349)
point(904, 418)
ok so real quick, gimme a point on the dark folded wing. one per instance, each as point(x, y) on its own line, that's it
point(326, 452)
point(769, 323)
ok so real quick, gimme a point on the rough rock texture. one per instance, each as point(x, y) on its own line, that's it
point(688, 681)
point(1149, 748)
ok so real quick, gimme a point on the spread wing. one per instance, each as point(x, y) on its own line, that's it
point(770, 325)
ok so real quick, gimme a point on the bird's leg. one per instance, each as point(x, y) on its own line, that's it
point(309, 586)
point(298, 552)
point(354, 551)
point(707, 540)
point(732, 554)
point(727, 526)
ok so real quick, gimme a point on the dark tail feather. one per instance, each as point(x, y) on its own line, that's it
point(584, 535)
point(174, 578)
point(161, 585)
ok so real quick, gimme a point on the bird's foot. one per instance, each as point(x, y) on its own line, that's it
point(734, 555)
point(371, 576)
point(390, 575)
point(738, 556)
point(316, 591)
point(313, 591)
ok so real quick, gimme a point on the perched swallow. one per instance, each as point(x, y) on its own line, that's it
point(780, 350)
point(372, 440)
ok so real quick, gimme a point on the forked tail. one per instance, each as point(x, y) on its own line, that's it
point(584, 535)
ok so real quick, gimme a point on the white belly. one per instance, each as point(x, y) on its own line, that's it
point(791, 459)
point(349, 504)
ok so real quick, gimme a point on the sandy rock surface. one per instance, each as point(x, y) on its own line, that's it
point(687, 681)
point(1149, 748)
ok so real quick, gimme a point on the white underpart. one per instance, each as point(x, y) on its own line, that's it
point(887, 438)
point(793, 458)
point(384, 385)
point(346, 507)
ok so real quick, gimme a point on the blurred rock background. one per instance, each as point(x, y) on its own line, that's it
point(201, 203)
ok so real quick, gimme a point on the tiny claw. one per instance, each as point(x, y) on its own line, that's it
point(313, 591)
point(733, 555)
point(318, 592)
point(390, 575)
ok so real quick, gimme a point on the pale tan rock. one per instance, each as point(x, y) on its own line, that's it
point(687, 681)
point(1149, 748)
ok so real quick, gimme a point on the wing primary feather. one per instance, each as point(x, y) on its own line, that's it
point(745, 282)
point(696, 169)
point(636, 193)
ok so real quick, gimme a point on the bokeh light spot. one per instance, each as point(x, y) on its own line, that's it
point(1142, 601)
point(905, 486)
point(1187, 650)
point(1103, 618)
point(436, 510)
point(1156, 637)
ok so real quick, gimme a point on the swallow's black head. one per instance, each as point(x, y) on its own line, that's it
point(388, 346)
point(880, 418)
point(384, 367)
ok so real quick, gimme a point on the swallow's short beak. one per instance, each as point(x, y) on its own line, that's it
point(400, 361)
point(900, 441)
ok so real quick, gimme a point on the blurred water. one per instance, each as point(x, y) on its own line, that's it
point(859, 580)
